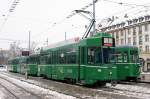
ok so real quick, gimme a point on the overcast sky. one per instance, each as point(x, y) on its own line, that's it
point(47, 18)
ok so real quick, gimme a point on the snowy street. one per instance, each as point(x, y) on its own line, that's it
point(11, 88)
point(74, 49)
point(15, 86)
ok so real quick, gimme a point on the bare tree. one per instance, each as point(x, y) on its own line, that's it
point(33, 47)
point(15, 50)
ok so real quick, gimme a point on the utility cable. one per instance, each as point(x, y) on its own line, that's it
point(11, 9)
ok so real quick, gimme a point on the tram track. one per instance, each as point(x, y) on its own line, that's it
point(111, 90)
point(17, 91)
point(137, 90)
point(123, 90)
point(138, 83)
point(102, 90)
point(40, 91)
point(16, 97)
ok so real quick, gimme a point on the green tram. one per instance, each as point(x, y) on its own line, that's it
point(25, 64)
point(84, 61)
point(13, 64)
point(18, 64)
point(22, 66)
point(32, 64)
point(87, 61)
point(127, 62)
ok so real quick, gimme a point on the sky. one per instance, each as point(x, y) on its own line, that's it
point(46, 19)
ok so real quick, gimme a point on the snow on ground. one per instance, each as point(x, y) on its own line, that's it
point(3, 69)
point(133, 90)
point(38, 90)
point(2, 95)
point(144, 73)
point(78, 94)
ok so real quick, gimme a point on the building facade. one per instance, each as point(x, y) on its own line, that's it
point(133, 32)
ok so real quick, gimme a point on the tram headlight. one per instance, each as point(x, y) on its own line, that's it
point(110, 73)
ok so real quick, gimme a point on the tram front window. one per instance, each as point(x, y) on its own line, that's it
point(97, 55)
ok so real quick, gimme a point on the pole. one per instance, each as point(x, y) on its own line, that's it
point(29, 42)
point(94, 30)
point(65, 36)
point(47, 41)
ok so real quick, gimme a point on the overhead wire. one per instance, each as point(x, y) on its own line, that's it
point(85, 7)
point(69, 16)
point(132, 9)
point(129, 5)
point(19, 41)
point(11, 9)
point(124, 4)
point(132, 6)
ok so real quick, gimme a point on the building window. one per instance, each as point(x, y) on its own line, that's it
point(121, 32)
point(134, 30)
point(129, 40)
point(134, 40)
point(140, 48)
point(117, 42)
point(147, 48)
point(146, 38)
point(146, 27)
point(117, 34)
point(112, 34)
point(140, 29)
point(129, 32)
point(140, 40)
point(122, 41)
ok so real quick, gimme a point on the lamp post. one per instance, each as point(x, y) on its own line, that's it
point(29, 42)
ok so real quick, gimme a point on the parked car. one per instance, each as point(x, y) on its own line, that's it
point(1, 65)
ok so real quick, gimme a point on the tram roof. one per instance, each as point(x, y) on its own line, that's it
point(126, 46)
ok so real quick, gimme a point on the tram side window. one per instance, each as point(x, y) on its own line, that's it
point(43, 59)
point(106, 52)
point(134, 56)
point(27, 60)
point(54, 57)
point(112, 58)
point(98, 56)
point(83, 54)
point(70, 56)
point(125, 57)
point(90, 56)
point(119, 57)
point(57, 57)
point(30, 60)
point(62, 57)
point(36, 60)
point(52, 60)
point(15, 62)
point(49, 59)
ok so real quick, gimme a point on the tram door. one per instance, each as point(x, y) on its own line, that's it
point(82, 61)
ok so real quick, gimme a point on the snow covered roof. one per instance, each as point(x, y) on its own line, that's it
point(125, 22)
